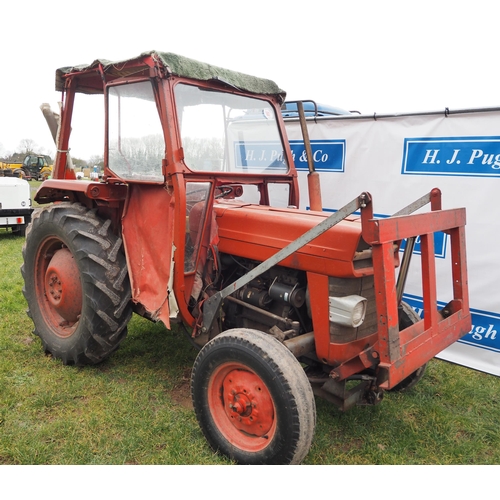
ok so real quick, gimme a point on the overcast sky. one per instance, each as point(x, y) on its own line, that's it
point(372, 56)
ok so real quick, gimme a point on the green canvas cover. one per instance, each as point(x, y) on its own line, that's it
point(173, 64)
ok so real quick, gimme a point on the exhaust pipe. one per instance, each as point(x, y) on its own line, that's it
point(313, 181)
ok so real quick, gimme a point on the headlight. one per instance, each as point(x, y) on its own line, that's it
point(347, 311)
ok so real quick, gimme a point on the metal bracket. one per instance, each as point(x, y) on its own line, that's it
point(434, 197)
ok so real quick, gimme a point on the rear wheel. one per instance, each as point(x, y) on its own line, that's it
point(76, 284)
point(408, 317)
point(252, 399)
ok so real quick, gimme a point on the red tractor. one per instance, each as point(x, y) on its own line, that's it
point(196, 222)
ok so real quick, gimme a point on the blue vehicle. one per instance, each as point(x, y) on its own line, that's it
point(311, 108)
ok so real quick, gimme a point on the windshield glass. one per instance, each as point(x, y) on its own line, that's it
point(228, 133)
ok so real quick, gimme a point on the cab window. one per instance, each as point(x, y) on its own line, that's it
point(136, 144)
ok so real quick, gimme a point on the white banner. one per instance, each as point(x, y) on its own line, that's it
point(400, 158)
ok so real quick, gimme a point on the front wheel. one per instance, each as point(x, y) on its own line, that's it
point(252, 399)
point(76, 283)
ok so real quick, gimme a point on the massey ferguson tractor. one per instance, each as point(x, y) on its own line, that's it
point(195, 223)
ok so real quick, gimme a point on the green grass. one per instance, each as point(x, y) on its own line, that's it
point(134, 408)
point(34, 185)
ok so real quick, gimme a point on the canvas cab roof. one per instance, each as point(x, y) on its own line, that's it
point(90, 75)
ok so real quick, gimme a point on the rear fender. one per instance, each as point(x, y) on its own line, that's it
point(85, 192)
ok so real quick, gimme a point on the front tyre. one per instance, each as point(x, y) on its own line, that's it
point(76, 283)
point(252, 399)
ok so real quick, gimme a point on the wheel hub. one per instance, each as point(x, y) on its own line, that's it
point(63, 288)
point(247, 402)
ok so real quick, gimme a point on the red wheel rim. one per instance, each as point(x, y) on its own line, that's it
point(58, 287)
point(242, 407)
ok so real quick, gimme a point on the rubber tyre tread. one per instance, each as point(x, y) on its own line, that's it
point(286, 381)
point(106, 305)
point(408, 317)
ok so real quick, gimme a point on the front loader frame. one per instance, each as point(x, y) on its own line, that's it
point(401, 353)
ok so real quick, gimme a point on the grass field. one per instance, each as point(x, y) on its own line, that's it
point(135, 407)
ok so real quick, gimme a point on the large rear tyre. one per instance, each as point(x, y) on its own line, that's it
point(76, 284)
point(408, 317)
point(252, 399)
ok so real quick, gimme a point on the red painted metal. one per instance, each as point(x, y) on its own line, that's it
point(242, 407)
point(397, 354)
point(57, 281)
point(148, 236)
point(183, 283)
point(401, 353)
point(398, 228)
point(318, 289)
point(61, 166)
point(258, 232)
point(63, 288)
point(56, 189)
point(314, 188)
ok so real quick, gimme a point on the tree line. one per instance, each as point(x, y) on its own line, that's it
point(30, 147)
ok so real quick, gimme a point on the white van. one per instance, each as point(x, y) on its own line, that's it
point(15, 204)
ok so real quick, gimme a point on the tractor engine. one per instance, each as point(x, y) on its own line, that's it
point(278, 302)
point(275, 302)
